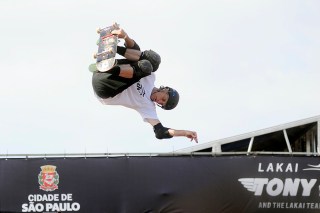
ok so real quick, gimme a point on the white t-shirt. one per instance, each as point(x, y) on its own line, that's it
point(136, 97)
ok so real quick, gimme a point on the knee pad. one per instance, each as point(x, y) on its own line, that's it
point(142, 68)
point(153, 57)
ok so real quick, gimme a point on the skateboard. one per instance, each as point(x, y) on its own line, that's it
point(107, 49)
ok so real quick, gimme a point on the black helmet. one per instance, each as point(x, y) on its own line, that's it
point(173, 99)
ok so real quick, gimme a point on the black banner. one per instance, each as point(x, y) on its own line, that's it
point(161, 184)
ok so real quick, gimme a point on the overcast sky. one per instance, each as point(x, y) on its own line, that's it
point(239, 66)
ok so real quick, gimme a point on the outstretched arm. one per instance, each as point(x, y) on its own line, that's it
point(162, 132)
point(186, 133)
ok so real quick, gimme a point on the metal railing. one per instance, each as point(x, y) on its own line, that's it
point(170, 154)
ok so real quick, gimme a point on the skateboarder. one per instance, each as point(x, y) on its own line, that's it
point(130, 83)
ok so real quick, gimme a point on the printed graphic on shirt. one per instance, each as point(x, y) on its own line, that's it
point(140, 89)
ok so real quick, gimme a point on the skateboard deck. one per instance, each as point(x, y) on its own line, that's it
point(107, 49)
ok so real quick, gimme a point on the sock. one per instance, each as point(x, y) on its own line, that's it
point(115, 70)
point(135, 67)
point(141, 56)
point(121, 50)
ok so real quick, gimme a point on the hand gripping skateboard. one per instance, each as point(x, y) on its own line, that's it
point(107, 49)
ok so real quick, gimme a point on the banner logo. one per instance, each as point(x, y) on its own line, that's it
point(313, 167)
point(276, 186)
point(48, 178)
point(287, 192)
